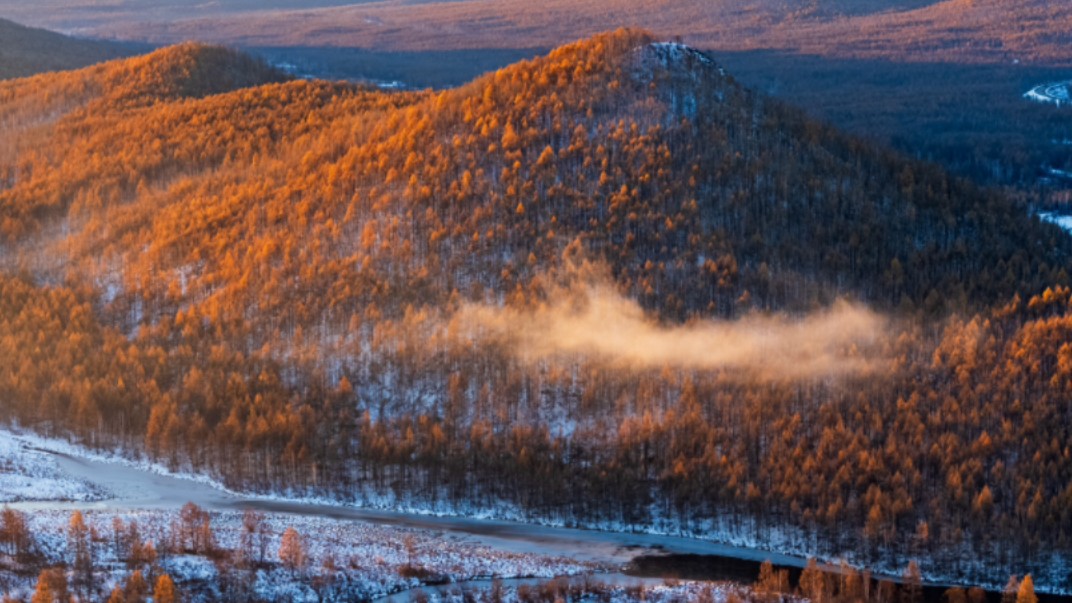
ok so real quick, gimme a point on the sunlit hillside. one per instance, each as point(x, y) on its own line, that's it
point(344, 292)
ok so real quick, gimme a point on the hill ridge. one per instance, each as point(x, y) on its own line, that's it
point(549, 113)
point(25, 51)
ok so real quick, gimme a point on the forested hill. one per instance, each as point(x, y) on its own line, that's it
point(70, 134)
point(168, 75)
point(702, 198)
point(25, 51)
point(329, 289)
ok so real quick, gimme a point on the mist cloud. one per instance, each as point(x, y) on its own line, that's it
point(592, 320)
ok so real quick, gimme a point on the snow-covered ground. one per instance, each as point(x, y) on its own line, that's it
point(1062, 220)
point(1056, 93)
point(32, 475)
point(361, 561)
point(139, 485)
point(370, 559)
point(373, 553)
point(128, 481)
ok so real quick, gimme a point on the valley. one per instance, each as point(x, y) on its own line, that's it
point(127, 486)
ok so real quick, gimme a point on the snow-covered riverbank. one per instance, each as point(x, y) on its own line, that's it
point(27, 474)
point(350, 555)
point(139, 485)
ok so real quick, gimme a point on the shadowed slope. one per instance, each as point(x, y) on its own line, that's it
point(25, 51)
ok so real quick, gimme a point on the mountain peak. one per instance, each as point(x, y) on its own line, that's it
point(675, 54)
point(185, 70)
point(682, 71)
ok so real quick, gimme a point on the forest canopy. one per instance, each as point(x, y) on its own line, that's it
point(264, 279)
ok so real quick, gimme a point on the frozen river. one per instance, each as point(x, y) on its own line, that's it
point(132, 487)
point(1055, 92)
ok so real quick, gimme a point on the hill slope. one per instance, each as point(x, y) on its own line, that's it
point(80, 107)
point(25, 51)
point(409, 297)
point(700, 194)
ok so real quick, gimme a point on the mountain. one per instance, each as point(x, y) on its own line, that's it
point(25, 51)
point(650, 159)
point(97, 101)
point(605, 286)
point(940, 80)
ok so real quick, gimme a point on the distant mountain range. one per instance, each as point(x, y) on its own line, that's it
point(26, 51)
point(991, 31)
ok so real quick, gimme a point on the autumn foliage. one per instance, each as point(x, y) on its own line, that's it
point(258, 283)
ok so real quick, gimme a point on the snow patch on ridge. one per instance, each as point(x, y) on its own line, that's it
point(677, 53)
point(675, 56)
point(685, 78)
point(1062, 220)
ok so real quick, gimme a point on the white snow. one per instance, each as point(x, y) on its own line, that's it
point(369, 561)
point(32, 475)
point(1062, 220)
point(1056, 93)
point(70, 456)
point(497, 527)
point(675, 52)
